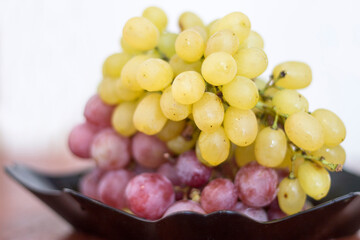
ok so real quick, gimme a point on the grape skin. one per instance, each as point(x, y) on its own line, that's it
point(258, 214)
point(157, 16)
point(291, 196)
point(97, 112)
point(297, 75)
point(81, 138)
point(168, 170)
point(184, 206)
point(88, 184)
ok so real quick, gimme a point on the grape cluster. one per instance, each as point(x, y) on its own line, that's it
point(182, 122)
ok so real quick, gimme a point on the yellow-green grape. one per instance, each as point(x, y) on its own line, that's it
point(240, 126)
point(299, 160)
point(251, 62)
point(219, 68)
point(289, 101)
point(208, 112)
point(237, 22)
point(178, 65)
point(334, 128)
point(304, 131)
point(180, 145)
point(244, 155)
point(270, 147)
point(222, 41)
point(125, 94)
point(214, 147)
point(140, 33)
point(122, 118)
point(171, 130)
point(172, 109)
point(190, 45)
point(210, 25)
point(297, 75)
point(286, 163)
point(314, 180)
point(154, 74)
point(291, 196)
point(166, 44)
point(129, 72)
point(188, 20)
point(254, 40)
point(157, 16)
point(241, 92)
point(260, 83)
point(153, 53)
point(114, 63)
point(107, 92)
point(148, 117)
point(199, 156)
point(188, 87)
point(334, 155)
point(127, 48)
point(202, 31)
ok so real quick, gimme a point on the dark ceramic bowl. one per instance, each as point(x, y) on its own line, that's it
point(335, 216)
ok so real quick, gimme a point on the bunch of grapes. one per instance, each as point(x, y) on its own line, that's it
point(181, 122)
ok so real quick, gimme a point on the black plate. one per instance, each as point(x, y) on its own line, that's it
point(335, 216)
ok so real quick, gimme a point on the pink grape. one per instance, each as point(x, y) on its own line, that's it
point(274, 212)
point(256, 185)
point(148, 151)
point(149, 195)
point(168, 170)
point(138, 169)
point(97, 112)
point(258, 214)
point(111, 189)
point(219, 194)
point(81, 138)
point(88, 184)
point(191, 171)
point(110, 150)
point(184, 206)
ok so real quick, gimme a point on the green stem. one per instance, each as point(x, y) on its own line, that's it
point(274, 126)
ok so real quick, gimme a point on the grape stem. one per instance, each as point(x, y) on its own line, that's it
point(273, 81)
point(275, 126)
point(331, 166)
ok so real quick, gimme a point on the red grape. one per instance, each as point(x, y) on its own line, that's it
point(97, 112)
point(184, 206)
point(168, 170)
point(89, 183)
point(80, 139)
point(274, 211)
point(257, 214)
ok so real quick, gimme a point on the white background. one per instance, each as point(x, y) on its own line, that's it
point(51, 54)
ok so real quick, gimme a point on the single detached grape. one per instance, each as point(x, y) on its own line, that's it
point(291, 196)
point(184, 206)
point(97, 112)
point(258, 214)
point(88, 184)
point(81, 138)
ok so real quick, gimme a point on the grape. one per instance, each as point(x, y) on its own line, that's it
point(148, 151)
point(111, 188)
point(291, 197)
point(304, 131)
point(129, 72)
point(260, 83)
point(297, 75)
point(244, 155)
point(333, 127)
point(219, 194)
point(180, 145)
point(172, 109)
point(107, 93)
point(127, 48)
point(256, 185)
point(190, 171)
point(167, 44)
point(154, 74)
point(258, 214)
point(296, 164)
point(334, 155)
point(122, 118)
point(270, 147)
point(188, 20)
point(110, 150)
point(249, 93)
point(188, 87)
point(80, 139)
point(240, 126)
point(254, 40)
point(148, 117)
point(126, 94)
point(149, 195)
point(286, 163)
point(251, 62)
point(202, 31)
point(114, 63)
point(168, 170)
point(208, 112)
point(88, 184)
point(274, 212)
point(171, 130)
point(178, 65)
point(97, 112)
point(189, 45)
point(288, 101)
point(184, 206)
point(138, 169)
point(314, 180)
point(219, 68)
point(157, 16)
point(140, 33)
point(222, 41)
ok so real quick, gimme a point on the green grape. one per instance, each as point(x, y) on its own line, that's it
point(202, 31)
point(178, 65)
point(218, 68)
point(314, 180)
point(210, 26)
point(127, 48)
point(251, 62)
point(107, 92)
point(270, 147)
point(190, 45)
point(153, 53)
point(291, 196)
point(199, 156)
point(297, 75)
point(129, 71)
point(157, 16)
point(254, 40)
point(260, 83)
point(214, 147)
point(244, 155)
point(334, 128)
point(241, 93)
point(286, 163)
point(125, 94)
point(148, 117)
point(222, 41)
point(171, 130)
point(188, 87)
point(114, 63)
point(208, 112)
point(154, 74)
point(334, 155)
point(167, 44)
point(122, 118)
point(180, 145)
point(304, 131)
point(289, 101)
point(188, 20)
point(299, 160)
point(240, 126)
point(172, 109)
point(140, 33)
